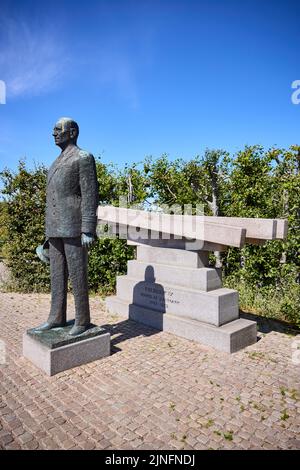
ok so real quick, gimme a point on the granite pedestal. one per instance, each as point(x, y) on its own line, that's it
point(174, 290)
point(55, 350)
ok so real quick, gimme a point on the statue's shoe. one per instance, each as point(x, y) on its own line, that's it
point(48, 326)
point(78, 330)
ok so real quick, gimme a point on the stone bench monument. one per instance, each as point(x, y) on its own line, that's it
point(170, 285)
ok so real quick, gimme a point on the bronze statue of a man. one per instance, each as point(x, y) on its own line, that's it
point(71, 205)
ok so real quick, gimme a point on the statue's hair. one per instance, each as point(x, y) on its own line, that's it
point(70, 123)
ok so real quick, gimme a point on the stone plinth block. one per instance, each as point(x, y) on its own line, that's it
point(216, 307)
point(55, 350)
point(230, 338)
point(172, 256)
point(204, 279)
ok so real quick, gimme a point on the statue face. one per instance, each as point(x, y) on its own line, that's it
point(61, 134)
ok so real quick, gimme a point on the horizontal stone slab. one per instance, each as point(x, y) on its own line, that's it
point(230, 231)
point(172, 256)
point(204, 279)
point(184, 244)
point(58, 359)
point(262, 229)
point(216, 307)
point(281, 229)
point(180, 225)
point(229, 338)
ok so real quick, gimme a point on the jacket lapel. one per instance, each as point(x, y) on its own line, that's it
point(56, 165)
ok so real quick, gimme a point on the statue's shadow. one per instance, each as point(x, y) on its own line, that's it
point(148, 294)
point(126, 330)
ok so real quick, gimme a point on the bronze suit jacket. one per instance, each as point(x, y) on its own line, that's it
point(72, 195)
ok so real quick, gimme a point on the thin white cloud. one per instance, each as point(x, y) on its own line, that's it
point(118, 71)
point(118, 63)
point(32, 61)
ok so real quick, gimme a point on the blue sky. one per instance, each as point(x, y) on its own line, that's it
point(148, 77)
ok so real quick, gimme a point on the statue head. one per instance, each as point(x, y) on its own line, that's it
point(65, 132)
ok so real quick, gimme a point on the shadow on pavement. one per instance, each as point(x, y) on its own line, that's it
point(125, 330)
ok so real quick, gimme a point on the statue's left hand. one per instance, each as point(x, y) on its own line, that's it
point(87, 239)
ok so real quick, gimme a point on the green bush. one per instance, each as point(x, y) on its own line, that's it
point(107, 259)
point(279, 302)
point(23, 227)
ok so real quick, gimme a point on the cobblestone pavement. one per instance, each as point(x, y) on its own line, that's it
point(156, 391)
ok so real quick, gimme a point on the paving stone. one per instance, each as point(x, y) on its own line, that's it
point(6, 439)
point(26, 437)
point(68, 444)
